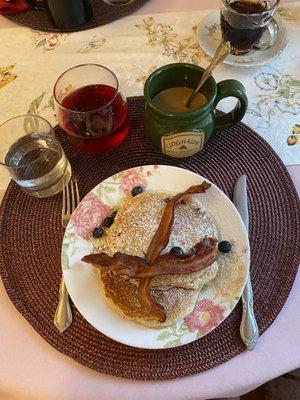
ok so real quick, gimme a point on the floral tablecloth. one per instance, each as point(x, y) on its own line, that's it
point(23, 353)
point(31, 61)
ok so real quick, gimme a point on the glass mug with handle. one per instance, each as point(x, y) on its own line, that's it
point(248, 24)
point(180, 132)
point(66, 14)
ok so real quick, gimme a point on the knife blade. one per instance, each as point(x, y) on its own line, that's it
point(248, 328)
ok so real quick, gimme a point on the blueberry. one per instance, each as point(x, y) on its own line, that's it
point(176, 250)
point(108, 222)
point(224, 246)
point(137, 190)
point(113, 214)
point(98, 232)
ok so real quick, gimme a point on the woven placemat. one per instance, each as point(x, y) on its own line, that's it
point(31, 238)
point(103, 13)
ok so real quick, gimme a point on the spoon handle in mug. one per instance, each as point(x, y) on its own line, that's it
point(220, 55)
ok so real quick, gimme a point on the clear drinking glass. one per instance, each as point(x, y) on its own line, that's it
point(91, 109)
point(33, 155)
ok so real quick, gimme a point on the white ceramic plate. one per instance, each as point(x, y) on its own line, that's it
point(215, 302)
point(209, 37)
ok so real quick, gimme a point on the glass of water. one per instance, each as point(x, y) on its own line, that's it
point(33, 155)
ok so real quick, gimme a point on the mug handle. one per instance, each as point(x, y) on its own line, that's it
point(35, 5)
point(270, 35)
point(231, 88)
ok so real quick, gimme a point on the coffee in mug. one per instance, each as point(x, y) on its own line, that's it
point(174, 99)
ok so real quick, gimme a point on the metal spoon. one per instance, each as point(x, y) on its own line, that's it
point(220, 55)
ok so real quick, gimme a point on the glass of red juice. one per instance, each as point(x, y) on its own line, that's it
point(91, 110)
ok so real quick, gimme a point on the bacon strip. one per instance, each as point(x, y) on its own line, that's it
point(146, 300)
point(161, 236)
point(202, 255)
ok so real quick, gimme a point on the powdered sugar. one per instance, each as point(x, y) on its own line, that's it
point(139, 217)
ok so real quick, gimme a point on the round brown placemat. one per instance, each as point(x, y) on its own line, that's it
point(103, 14)
point(31, 238)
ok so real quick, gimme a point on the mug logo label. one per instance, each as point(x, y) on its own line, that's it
point(182, 144)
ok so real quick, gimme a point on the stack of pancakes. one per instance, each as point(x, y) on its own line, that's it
point(137, 220)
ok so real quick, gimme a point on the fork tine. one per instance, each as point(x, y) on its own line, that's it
point(68, 205)
point(77, 197)
point(63, 208)
point(73, 205)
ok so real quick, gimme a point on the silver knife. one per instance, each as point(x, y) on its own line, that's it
point(248, 328)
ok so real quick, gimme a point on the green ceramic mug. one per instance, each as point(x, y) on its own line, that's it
point(182, 134)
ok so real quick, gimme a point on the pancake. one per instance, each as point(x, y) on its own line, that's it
point(131, 233)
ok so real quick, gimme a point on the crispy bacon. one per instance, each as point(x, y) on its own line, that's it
point(145, 298)
point(161, 236)
point(201, 256)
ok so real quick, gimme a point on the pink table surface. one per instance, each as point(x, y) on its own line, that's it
point(31, 369)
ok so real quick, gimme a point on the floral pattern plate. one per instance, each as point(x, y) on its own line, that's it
point(216, 300)
point(209, 36)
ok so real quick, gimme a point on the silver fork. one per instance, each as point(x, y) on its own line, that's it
point(63, 314)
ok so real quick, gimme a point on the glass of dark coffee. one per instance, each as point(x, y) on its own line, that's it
point(248, 24)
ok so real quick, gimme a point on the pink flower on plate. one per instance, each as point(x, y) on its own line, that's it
point(206, 316)
point(130, 179)
point(90, 213)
